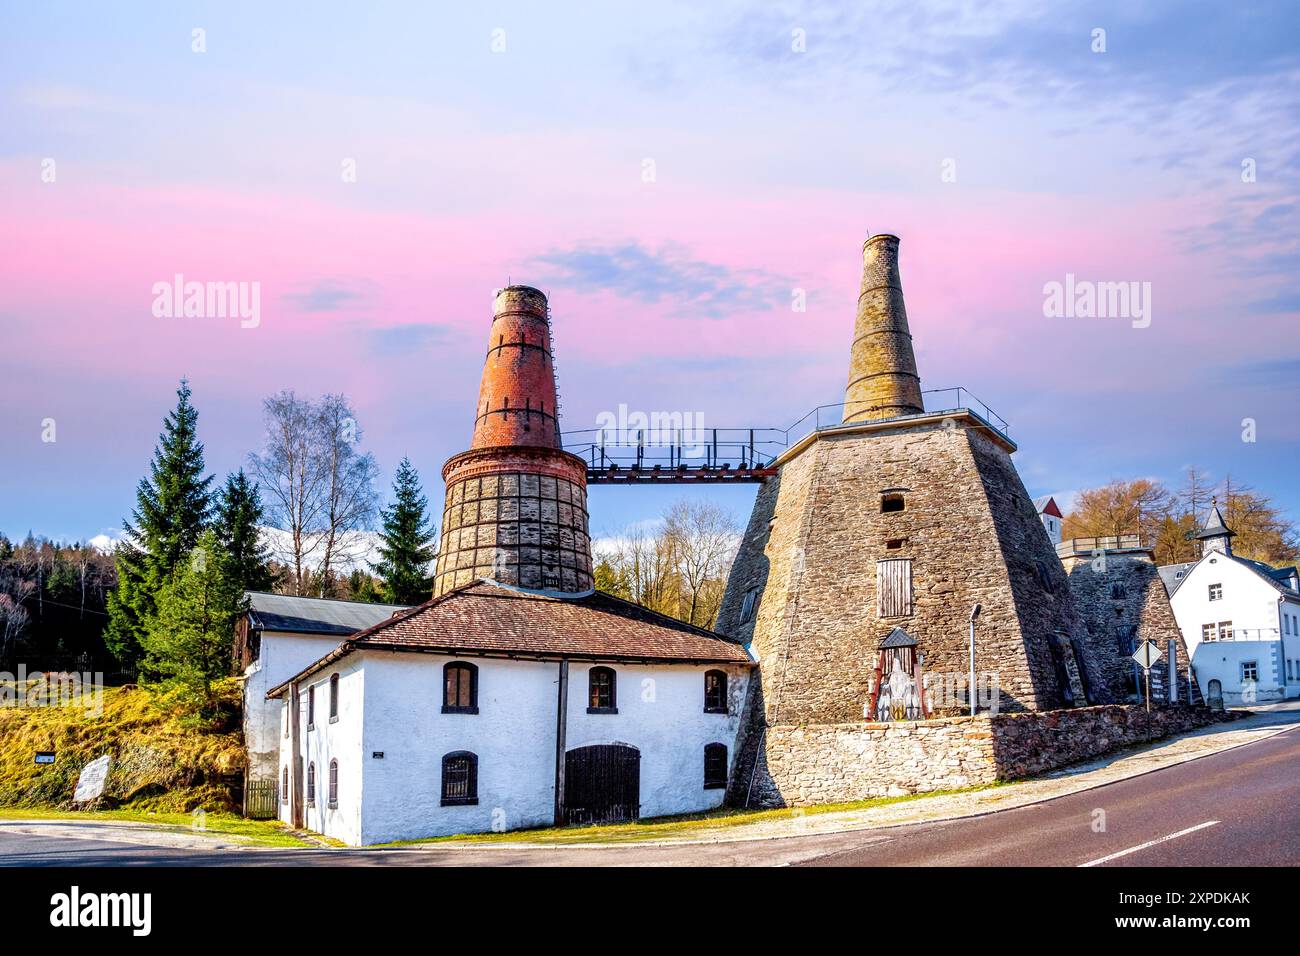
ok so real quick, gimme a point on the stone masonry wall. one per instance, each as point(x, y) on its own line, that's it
point(836, 763)
point(970, 530)
point(1122, 602)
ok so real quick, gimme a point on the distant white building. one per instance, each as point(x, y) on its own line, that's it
point(1239, 618)
point(279, 636)
point(493, 708)
point(1050, 515)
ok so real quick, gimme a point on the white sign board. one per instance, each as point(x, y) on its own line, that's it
point(1147, 655)
point(91, 782)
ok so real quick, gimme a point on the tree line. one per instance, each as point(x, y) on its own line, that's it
point(1169, 519)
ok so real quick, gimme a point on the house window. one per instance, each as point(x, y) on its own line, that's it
point(1216, 592)
point(892, 502)
point(1225, 630)
point(334, 697)
point(602, 691)
point(311, 707)
point(715, 692)
point(1207, 632)
point(747, 606)
point(715, 766)
point(459, 779)
point(1249, 671)
point(284, 785)
point(334, 784)
point(460, 688)
point(894, 587)
point(311, 784)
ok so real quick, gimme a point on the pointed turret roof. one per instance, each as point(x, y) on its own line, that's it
point(1214, 525)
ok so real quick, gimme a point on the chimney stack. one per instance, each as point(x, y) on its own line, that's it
point(882, 369)
point(517, 398)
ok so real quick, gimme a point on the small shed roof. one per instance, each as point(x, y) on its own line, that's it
point(308, 615)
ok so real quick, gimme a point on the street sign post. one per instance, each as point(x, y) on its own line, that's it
point(1146, 656)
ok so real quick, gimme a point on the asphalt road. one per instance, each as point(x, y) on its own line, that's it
point(1239, 807)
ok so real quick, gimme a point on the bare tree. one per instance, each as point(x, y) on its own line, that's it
point(318, 487)
point(702, 542)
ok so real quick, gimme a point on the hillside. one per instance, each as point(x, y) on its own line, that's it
point(161, 759)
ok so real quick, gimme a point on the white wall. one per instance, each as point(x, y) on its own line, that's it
point(1222, 660)
point(398, 796)
point(281, 656)
point(661, 713)
point(513, 735)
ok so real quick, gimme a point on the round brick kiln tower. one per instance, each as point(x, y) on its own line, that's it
point(516, 507)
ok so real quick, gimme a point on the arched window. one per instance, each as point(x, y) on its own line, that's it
point(459, 779)
point(715, 692)
point(715, 766)
point(334, 783)
point(460, 688)
point(334, 697)
point(284, 785)
point(311, 706)
point(892, 501)
point(311, 784)
point(602, 691)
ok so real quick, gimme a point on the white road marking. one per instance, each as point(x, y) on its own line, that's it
point(1149, 843)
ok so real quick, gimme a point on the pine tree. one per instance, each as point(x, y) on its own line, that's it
point(172, 508)
point(239, 515)
point(187, 639)
point(407, 542)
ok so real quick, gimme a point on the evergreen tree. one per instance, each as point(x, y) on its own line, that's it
point(239, 515)
point(187, 640)
point(407, 542)
point(172, 508)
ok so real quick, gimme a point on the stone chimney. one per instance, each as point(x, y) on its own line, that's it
point(882, 369)
point(517, 398)
point(516, 505)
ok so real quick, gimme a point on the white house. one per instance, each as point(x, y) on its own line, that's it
point(1050, 515)
point(1239, 618)
point(277, 637)
point(494, 708)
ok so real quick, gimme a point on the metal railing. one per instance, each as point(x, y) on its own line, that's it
point(1109, 542)
point(1242, 634)
point(665, 448)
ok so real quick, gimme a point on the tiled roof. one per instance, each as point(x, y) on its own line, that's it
point(307, 615)
point(492, 620)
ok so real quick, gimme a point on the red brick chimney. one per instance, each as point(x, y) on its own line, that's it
point(517, 400)
point(516, 507)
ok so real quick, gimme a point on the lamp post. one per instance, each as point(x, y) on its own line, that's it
point(974, 613)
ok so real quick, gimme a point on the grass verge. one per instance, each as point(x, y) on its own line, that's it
point(269, 833)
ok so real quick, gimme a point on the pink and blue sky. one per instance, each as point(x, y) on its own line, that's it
point(476, 167)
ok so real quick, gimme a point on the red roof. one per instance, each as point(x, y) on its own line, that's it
point(491, 620)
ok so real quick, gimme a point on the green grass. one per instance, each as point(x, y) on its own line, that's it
point(270, 833)
point(681, 827)
point(164, 759)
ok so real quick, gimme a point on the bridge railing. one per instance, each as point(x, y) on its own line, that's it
point(669, 443)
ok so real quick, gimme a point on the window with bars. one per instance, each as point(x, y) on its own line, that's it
point(602, 691)
point(894, 587)
point(715, 692)
point(334, 784)
point(459, 779)
point(460, 688)
point(715, 766)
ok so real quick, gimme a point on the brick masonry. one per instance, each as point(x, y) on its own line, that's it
point(805, 765)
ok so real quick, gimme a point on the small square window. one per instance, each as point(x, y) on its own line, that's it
point(1249, 671)
point(892, 502)
point(1216, 592)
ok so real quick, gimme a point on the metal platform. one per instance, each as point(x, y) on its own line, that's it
point(666, 453)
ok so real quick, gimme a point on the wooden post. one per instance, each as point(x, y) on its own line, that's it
point(561, 726)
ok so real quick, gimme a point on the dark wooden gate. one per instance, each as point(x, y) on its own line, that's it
point(602, 784)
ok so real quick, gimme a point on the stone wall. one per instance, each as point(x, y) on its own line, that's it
point(1122, 602)
point(803, 765)
point(817, 531)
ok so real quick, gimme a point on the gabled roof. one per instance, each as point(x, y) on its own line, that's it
point(1277, 577)
point(486, 619)
point(898, 638)
point(308, 615)
point(1046, 505)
